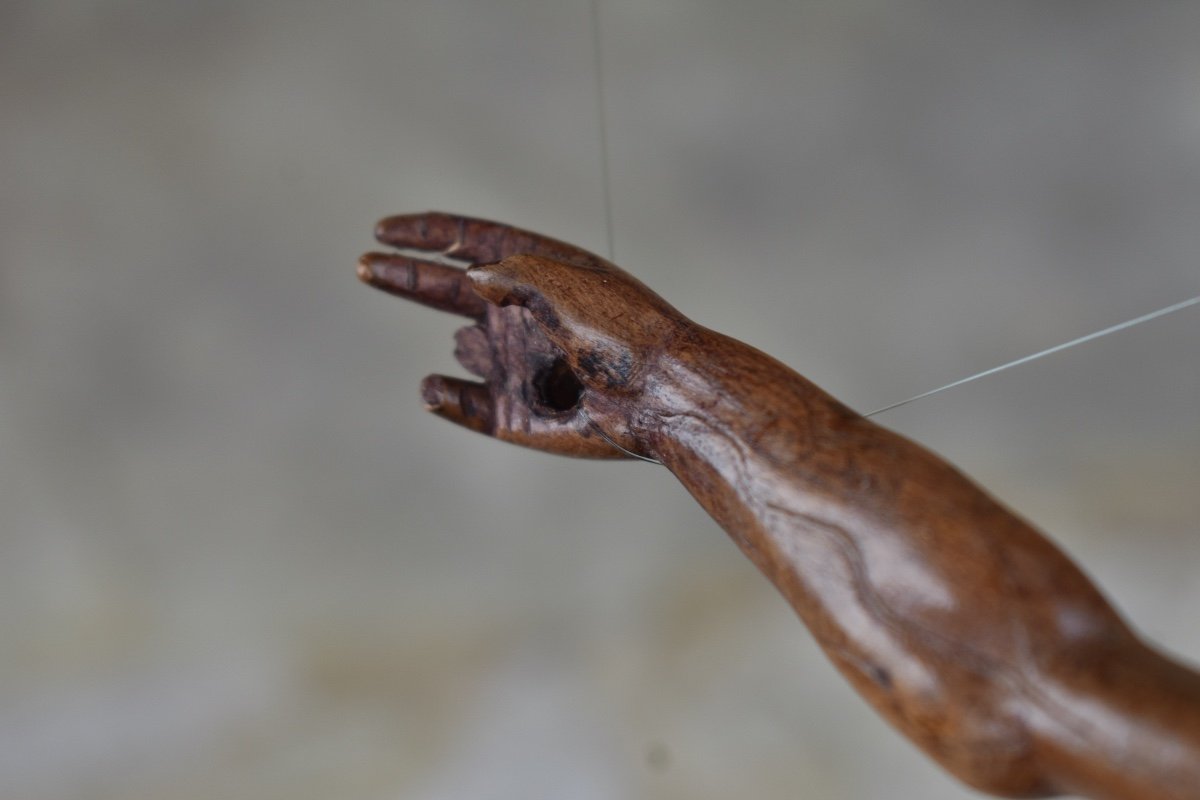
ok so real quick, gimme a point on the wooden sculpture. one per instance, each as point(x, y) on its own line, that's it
point(961, 624)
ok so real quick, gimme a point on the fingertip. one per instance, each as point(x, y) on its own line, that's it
point(432, 392)
point(384, 227)
point(480, 273)
point(431, 230)
point(367, 268)
point(490, 283)
point(396, 227)
point(462, 402)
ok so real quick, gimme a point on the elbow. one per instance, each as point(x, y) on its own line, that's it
point(988, 745)
point(971, 720)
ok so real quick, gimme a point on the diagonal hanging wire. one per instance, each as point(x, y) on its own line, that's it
point(601, 116)
point(1162, 312)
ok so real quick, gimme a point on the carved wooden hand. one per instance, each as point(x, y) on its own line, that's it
point(961, 624)
point(550, 359)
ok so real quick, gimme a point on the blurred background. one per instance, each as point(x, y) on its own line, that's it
point(237, 560)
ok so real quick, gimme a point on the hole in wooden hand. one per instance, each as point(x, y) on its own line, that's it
point(557, 387)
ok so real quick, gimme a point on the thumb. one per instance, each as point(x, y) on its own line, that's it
point(530, 282)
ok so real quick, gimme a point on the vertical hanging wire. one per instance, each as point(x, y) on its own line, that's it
point(606, 189)
point(602, 121)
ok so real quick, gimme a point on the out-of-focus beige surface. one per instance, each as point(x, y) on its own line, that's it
point(238, 561)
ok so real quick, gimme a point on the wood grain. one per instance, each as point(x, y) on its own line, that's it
point(962, 625)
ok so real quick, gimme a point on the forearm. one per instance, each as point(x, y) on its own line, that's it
point(964, 626)
point(960, 623)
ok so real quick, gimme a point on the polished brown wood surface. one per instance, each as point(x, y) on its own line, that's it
point(961, 624)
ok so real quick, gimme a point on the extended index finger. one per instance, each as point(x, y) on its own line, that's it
point(476, 241)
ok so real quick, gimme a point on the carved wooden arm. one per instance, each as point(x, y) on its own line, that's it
point(963, 626)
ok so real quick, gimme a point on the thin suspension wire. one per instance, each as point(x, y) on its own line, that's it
point(602, 119)
point(606, 187)
point(605, 437)
point(1162, 312)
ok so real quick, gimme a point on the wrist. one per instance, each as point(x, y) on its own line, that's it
point(709, 391)
point(689, 379)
